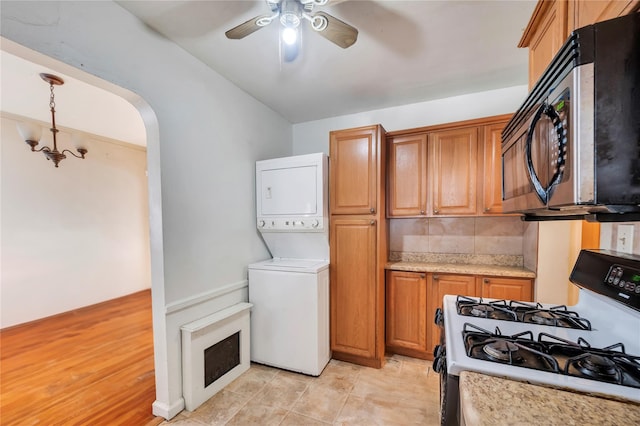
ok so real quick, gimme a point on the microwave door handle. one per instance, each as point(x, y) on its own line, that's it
point(533, 177)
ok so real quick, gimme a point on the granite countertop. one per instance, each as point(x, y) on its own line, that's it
point(462, 268)
point(489, 400)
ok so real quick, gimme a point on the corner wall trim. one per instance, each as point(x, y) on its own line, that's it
point(203, 297)
point(167, 411)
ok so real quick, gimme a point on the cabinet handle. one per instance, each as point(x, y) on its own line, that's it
point(485, 280)
point(436, 277)
point(372, 210)
point(373, 222)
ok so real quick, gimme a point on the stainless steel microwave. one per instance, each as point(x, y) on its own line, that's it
point(573, 147)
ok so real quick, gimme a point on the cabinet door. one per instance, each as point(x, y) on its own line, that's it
point(544, 36)
point(506, 288)
point(407, 176)
point(406, 314)
point(453, 164)
point(353, 170)
point(587, 12)
point(441, 285)
point(492, 169)
point(353, 287)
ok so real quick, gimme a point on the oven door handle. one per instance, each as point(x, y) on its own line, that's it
point(545, 193)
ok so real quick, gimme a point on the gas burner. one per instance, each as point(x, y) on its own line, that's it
point(544, 318)
point(502, 350)
point(482, 311)
point(597, 366)
point(519, 349)
point(557, 316)
point(497, 309)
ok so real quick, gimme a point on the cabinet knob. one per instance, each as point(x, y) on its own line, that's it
point(436, 277)
point(422, 276)
point(373, 222)
point(422, 212)
point(485, 280)
point(436, 211)
point(372, 210)
point(487, 209)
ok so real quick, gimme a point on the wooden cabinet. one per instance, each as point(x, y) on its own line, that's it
point(406, 314)
point(352, 283)
point(587, 12)
point(354, 170)
point(491, 157)
point(505, 288)
point(407, 175)
point(413, 297)
point(357, 244)
point(452, 171)
point(545, 34)
point(440, 285)
point(553, 20)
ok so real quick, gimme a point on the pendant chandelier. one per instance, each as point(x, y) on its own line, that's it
point(32, 135)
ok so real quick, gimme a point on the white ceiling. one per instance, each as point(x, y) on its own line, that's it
point(79, 105)
point(407, 51)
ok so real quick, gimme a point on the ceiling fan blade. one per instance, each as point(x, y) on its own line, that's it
point(337, 31)
point(244, 29)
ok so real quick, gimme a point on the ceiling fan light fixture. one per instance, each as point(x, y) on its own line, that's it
point(290, 35)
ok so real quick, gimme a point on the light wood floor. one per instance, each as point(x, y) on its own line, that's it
point(91, 366)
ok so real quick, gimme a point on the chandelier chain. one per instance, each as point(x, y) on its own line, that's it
point(52, 101)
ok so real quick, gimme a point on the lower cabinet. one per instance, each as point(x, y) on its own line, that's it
point(413, 297)
point(506, 288)
point(357, 330)
point(440, 285)
point(406, 314)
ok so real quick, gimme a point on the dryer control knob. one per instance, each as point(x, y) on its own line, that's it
point(315, 223)
point(261, 224)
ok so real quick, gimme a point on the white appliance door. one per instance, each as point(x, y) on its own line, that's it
point(290, 319)
point(289, 191)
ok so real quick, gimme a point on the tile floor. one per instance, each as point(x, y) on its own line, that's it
point(404, 392)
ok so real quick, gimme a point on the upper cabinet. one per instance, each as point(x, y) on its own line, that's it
point(446, 170)
point(452, 171)
point(587, 12)
point(544, 36)
point(553, 20)
point(407, 175)
point(353, 172)
point(491, 157)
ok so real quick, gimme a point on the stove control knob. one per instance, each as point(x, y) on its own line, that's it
point(438, 319)
point(438, 364)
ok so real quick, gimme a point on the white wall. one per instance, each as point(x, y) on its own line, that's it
point(75, 235)
point(313, 136)
point(204, 135)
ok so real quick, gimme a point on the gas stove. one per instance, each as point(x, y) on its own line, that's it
point(592, 347)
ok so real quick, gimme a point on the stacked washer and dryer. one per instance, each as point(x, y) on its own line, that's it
point(290, 292)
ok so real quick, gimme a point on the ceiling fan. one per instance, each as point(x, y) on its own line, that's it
point(291, 13)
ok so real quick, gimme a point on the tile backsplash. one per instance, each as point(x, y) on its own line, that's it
point(474, 239)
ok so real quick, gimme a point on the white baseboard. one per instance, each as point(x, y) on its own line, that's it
point(168, 412)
